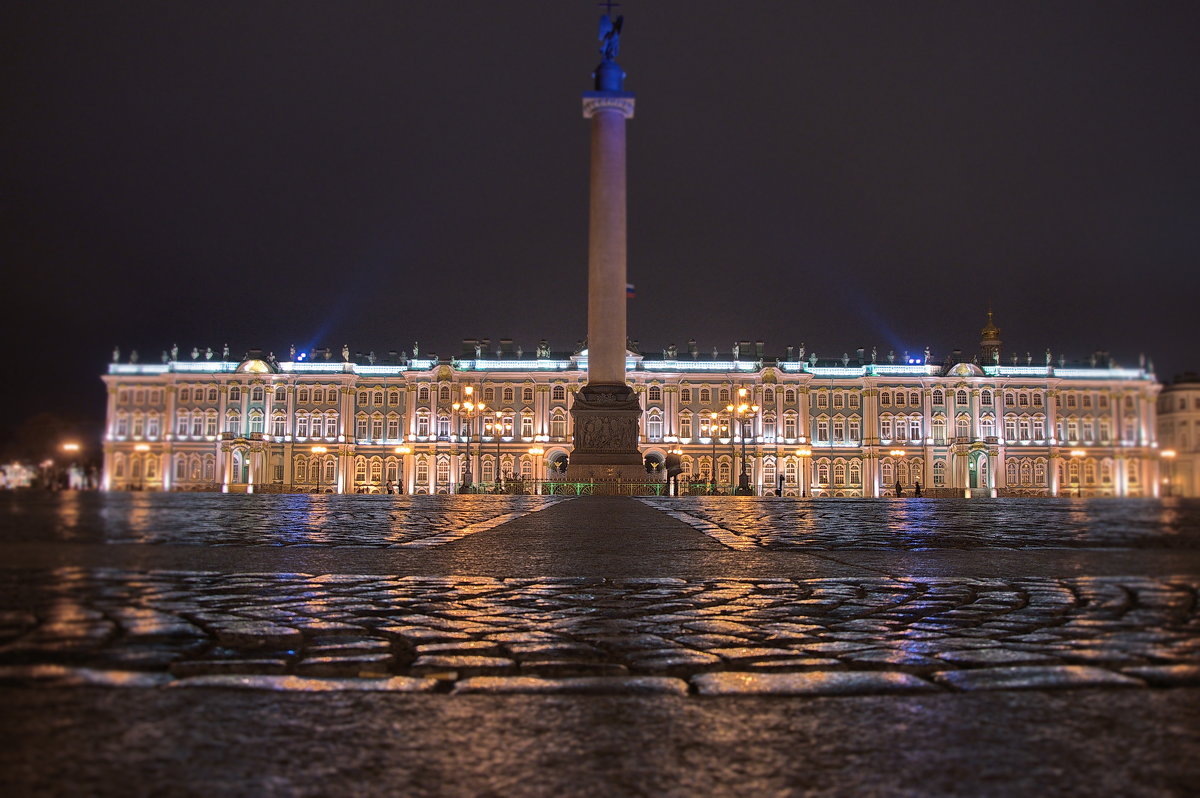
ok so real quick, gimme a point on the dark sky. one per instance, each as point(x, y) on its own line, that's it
point(839, 173)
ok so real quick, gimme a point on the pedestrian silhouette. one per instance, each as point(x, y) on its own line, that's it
point(917, 489)
point(899, 489)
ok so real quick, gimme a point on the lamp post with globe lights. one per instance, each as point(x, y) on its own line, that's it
point(740, 412)
point(804, 453)
point(1076, 454)
point(471, 410)
point(1168, 456)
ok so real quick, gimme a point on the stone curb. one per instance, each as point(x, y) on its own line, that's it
point(589, 685)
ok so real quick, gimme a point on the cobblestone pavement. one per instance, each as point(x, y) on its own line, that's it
point(257, 520)
point(925, 524)
point(808, 636)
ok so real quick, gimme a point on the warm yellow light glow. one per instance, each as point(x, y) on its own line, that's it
point(455, 406)
point(729, 408)
point(319, 450)
point(74, 447)
point(713, 416)
point(403, 450)
point(804, 452)
point(536, 450)
point(468, 390)
point(142, 447)
point(741, 391)
point(1078, 453)
point(1167, 453)
point(898, 452)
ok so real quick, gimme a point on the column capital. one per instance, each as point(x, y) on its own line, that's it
point(595, 102)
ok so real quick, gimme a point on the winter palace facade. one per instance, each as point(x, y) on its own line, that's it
point(800, 426)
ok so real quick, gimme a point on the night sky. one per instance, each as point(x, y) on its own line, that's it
point(841, 174)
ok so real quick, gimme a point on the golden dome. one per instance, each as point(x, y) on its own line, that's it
point(990, 330)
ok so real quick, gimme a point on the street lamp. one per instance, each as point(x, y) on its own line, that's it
point(403, 451)
point(471, 410)
point(1169, 456)
point(741, 411)
point(1076, 454)
point(898, 453)
point(536, 452)
point(803, 453)
point(497, 429)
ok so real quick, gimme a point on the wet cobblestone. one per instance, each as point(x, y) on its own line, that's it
point(776, 636)
point(749, 523)
point(257, 520)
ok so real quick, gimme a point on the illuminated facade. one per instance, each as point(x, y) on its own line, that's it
point(1179, 436)
point(808, 427)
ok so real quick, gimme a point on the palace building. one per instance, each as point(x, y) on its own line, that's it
point(799, 425)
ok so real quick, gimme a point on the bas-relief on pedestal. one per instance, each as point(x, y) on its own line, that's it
point(606, 434)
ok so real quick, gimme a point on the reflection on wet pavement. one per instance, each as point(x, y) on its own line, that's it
point(260, 520)
point(922, 524)
point(882, 634)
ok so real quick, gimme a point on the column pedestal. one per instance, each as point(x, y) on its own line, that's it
point(606, 435)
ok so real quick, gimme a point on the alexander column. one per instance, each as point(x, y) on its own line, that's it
point(606, 410)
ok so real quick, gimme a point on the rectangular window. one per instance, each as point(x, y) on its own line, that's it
point(393, 428)
point(526, 426)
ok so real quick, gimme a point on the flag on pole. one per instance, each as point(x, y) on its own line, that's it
point(629, 292)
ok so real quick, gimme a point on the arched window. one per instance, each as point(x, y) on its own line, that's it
point(376, 469)
point(705, 395)
point(235, 393)
point(939, 473)
point(280, 394)
point(789, 396)
point(180, 466)
point(256, 393)
point(886, 473)
point(685, 395)
point(654, 394)
point(939, 396)
point(377, 396)
point(508, 394)
point(256, 421)
point(393, 397)
point(558, 424)
point(724, 470)
point(961, 397)
point(962, 426)
point(233, 422)
point(443, 393)
point(724, 395)
point(823, 472)
point(423, 393)
point(558, 393)
point(527, 394)
point(985, 398)
point(360, 469)
point(654, 426)
point(685, 425)
point(855, 473)
point(768, 396)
